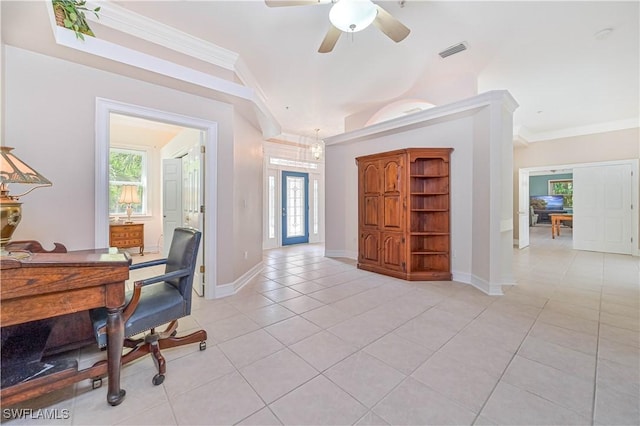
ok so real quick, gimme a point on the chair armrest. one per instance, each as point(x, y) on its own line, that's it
point(148, 264)
point(164, 277)
point(137, 290)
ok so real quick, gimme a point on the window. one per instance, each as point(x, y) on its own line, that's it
point(562, 187)
point(127, 167)
point(315, 207)
point(292, 163)
point(272, 206)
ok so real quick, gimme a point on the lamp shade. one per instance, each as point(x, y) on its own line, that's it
point(352, 15)
point(129, 194)
point(14, 170)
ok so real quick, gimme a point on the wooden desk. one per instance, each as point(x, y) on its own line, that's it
point(47, 285)
point(556, 219)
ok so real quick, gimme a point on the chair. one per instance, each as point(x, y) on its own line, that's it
point(156, 301)
point(533, 217)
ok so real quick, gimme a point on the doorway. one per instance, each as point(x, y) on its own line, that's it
point(607, 230)
point(295, 208)
point(183, 196)
point(209, 136)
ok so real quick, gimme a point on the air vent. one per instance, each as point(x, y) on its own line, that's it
point(456, 48)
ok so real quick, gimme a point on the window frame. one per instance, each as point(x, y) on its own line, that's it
point(145, 153)
point(567, 199)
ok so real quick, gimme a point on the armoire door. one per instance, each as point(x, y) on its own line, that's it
point(392, 194)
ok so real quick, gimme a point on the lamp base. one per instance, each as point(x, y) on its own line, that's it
point(10, 216)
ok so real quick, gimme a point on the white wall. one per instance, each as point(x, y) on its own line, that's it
point(247, 198)
point(50, 120)
point(478, 129)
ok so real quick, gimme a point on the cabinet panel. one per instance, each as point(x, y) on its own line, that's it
point(371, 178)
point(393, 251)
point(392, 179)
point(369, 248)
point(393, 217)
point(393, 206)
point(370, 211)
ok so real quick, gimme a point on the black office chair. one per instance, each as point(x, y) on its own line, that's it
point(156, 301)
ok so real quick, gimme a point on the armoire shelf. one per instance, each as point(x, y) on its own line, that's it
point(404, 213)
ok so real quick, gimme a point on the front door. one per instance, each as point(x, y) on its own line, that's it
point(295, 208)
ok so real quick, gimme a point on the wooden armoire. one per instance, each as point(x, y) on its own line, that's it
point(403, 213)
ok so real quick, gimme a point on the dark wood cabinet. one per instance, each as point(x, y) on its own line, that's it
point(403, 213)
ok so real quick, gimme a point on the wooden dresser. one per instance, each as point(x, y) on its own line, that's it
point(127, 235)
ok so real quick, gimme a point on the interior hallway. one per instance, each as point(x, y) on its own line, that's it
point(316, 341)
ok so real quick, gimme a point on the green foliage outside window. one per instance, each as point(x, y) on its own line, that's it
point(564, 188)
point(126, 167)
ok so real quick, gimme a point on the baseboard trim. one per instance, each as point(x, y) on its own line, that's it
point(232, 288)
point(486, 287)
point(341, 253)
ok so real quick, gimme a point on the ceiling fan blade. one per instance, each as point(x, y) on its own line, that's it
point(330, 40)
point(389, 25)
point(280, 3)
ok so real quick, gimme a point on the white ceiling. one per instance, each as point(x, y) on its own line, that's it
point(545, 53)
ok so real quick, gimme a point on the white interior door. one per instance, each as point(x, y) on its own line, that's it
point(193, 205)
point(602, 208)
point(171, 199)
point(523, 209)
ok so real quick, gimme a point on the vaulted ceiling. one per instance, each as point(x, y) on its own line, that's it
point(567, 74)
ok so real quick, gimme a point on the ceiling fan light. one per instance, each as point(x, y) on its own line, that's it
point(352, 15)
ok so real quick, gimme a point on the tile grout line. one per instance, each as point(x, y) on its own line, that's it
point(509, 363)
point(595, 375)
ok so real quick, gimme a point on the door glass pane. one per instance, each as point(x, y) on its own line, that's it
point(295, 207)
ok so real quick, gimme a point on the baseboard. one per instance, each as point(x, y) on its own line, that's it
point(341, 253)
point(486, 287)
point(461, 277)
point(232, 288)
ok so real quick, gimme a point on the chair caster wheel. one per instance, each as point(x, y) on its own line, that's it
point(158, 379)
point(96, 383)
point(203, 345)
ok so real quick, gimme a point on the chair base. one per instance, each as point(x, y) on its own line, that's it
point(152, 343)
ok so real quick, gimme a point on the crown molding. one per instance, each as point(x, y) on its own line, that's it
point(610, 126)
point(140, 26)
point(432, 115)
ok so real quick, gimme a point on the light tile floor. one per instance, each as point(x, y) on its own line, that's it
point(315, 341)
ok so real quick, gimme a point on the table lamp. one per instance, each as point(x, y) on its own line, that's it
point(128, 196)
point(14, 170)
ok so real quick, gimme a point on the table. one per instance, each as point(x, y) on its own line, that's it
point(47, 285)
point(556, 219)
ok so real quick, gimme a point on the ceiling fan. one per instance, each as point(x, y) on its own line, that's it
point(350, 16)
